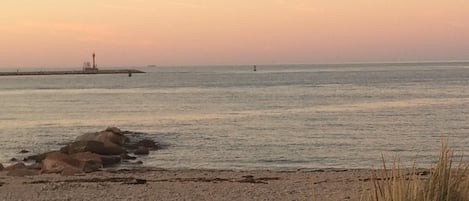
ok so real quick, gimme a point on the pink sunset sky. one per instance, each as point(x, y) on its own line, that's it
point(58, 33)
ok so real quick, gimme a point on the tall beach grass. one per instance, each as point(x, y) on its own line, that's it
point(443, 182)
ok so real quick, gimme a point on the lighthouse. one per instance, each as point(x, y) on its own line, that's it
point(87, 67)
point(94, 61)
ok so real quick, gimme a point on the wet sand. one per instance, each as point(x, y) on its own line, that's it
point(153, 184)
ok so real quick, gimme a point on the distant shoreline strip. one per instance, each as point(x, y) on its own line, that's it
point(77, 72)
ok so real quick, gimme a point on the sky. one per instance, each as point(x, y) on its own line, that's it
point(58, 33)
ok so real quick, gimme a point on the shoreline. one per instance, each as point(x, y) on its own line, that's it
point(190, 184)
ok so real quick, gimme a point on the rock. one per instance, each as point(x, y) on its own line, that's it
point(127, 157)
point(90, 166)
point(89, 152)
point(87, 156)
point(105, 137)
point(37, 158)
point(110, 160)
point(142, 151)
point(24, 151)
point(13, 159)
point(134, 162)
point(16, 166)
point(93, 147)
point(147, 143)
point(136, 181)
point(56, 162)
point(115, 138)
point(89, 162)
point(22, 172)
point(114, 130)
point(131, 146)
point(136, 142)
point(87, 137)
point(1, 167)
point(35, 166)
point(113, 149)
point(70, 171)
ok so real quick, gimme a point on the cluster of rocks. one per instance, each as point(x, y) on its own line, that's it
point(87, 153)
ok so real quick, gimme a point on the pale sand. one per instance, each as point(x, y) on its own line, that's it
point(323, 185)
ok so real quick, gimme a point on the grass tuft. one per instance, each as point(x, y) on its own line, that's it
point(443, 183)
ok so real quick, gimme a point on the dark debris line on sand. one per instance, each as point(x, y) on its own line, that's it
point(132, 180)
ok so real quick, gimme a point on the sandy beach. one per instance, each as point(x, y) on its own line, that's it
point(151, 184)
point(75, 173)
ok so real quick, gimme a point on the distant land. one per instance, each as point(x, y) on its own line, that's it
point(72, 72)
point(89, 68)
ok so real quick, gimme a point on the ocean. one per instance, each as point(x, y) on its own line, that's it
point(281, 117)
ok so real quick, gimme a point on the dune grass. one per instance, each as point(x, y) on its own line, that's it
point(442, 183)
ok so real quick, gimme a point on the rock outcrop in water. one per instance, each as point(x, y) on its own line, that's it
point(87, 153)
point(58, 162)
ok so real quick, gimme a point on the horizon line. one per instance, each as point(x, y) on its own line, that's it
point(262, 64)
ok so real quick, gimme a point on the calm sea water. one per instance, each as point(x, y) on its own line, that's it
point(281, 117)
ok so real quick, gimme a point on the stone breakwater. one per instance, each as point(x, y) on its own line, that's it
point(71, 72)
point(87, 153)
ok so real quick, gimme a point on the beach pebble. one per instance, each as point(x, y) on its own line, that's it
point(24, 151)
point(136, 181)
point(139, 162)
point(136, 163)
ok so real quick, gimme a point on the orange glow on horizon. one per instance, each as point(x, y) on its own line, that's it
point(188, 32)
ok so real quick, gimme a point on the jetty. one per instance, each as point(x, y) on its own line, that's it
point(87, 70)
point(72, 72)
